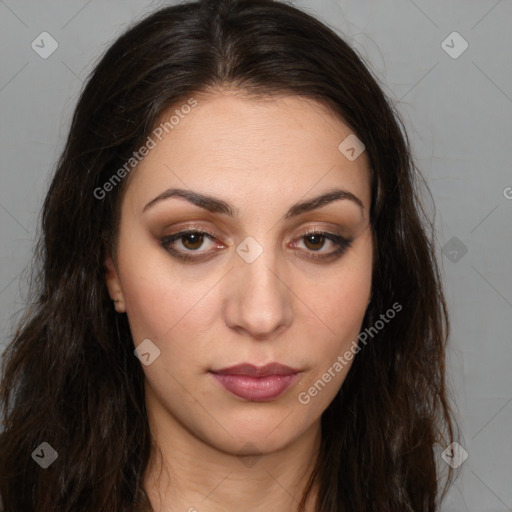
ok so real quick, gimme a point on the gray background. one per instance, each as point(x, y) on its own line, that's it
point(458, 115)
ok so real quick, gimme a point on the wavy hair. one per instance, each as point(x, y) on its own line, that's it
point(69, 375)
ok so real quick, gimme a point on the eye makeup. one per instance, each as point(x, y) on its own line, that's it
point(192, 239)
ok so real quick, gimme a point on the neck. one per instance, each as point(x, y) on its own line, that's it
point(185, 473)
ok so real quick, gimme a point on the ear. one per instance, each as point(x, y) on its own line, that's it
point(114, 284)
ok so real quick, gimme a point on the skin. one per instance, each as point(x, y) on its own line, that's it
point(218, 452)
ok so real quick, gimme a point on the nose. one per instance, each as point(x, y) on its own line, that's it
point(259, 298)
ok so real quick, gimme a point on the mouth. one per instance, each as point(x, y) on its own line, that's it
point(256, 384)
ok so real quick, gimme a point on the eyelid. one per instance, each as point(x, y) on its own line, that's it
point(185, 231)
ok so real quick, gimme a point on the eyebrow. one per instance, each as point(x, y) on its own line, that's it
point(216, 205)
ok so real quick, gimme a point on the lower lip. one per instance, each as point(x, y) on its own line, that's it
point(256, 389)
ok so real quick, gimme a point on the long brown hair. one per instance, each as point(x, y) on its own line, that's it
point(70, 377)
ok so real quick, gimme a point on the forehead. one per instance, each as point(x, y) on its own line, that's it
point(241, 147)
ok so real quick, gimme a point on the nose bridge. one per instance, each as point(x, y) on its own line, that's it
point(261, 301)
point(260, 273)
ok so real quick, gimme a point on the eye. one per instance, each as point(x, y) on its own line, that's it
point(315, 241)
point(189, 241)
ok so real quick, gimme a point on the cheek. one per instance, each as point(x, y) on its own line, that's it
point(168, 303)
point(158, 306)
point(154, 297)
point(340, 303)
point(150, 307)
point(342, 300)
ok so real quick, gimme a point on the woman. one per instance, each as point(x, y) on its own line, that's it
point(238, 303)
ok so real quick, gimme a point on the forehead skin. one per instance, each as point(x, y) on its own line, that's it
point(261, 157)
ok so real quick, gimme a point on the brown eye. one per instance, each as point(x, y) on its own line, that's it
point(314, 241)
point(192, 241)
point(186, 245)
point(314, 245)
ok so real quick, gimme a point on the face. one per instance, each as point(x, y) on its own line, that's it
point(227, 257)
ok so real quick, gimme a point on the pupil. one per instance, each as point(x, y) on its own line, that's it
point(195, 240)
point(319, 241)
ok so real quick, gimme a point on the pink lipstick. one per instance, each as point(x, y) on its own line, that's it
point(256, 384)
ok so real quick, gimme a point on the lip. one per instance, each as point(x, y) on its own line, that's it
point(251, 370)
point(256, 383)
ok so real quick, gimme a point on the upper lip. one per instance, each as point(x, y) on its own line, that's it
point(257, 371)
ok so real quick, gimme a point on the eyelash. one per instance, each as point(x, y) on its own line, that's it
point(342, 243)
